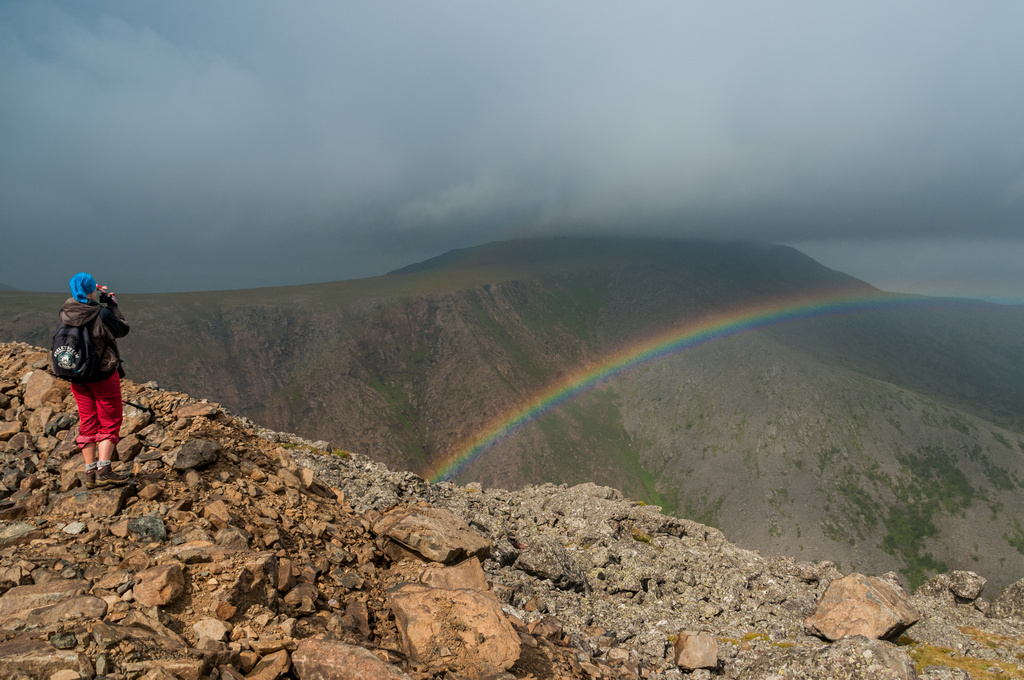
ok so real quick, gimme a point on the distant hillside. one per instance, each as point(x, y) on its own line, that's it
point(887, 436)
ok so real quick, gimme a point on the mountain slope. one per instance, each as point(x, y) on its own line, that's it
point(887, 437)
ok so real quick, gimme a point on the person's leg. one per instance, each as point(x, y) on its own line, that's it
point(88, 429)
point(110, 412)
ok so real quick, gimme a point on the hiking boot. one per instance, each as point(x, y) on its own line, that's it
point(105, 476)
point(87, 478)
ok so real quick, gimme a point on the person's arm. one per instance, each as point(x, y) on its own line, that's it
point(112, 317)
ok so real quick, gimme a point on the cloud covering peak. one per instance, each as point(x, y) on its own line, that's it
point(219, 145)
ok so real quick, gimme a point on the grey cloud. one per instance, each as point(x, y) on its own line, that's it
point(332, 140)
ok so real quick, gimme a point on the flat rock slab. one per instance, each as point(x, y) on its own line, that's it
point(861, 605)
point(35, 659)
point(18, 533)
point(20, 601)
point(322, 659)
point(99, 502)
point(434, 534)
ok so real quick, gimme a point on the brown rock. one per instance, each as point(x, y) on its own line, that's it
point(159, 585)
point(322, 660)
point(464, 627)
point(150, 492)
point(9, 428)
point(18, 533)
point(99, 502)
point(434, 533)
point(271, 667)
point(85, 607)
point(217, 512)
point(695, 650)
point(179, 669)
point(466, 575)
point(196, 410)
point(42, 388)
point(35, 659)
point(18, 603)
point(128, 447)
point(861, 605)
point(224, 610)
point(134, 420)
point(285, 575)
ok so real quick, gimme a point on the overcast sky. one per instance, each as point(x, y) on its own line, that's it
point(175, 146)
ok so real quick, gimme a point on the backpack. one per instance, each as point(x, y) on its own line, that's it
point(72, 353)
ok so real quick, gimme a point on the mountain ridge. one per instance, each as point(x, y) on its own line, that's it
point(408, 366)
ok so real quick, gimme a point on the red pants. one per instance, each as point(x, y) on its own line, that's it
point(99, 410)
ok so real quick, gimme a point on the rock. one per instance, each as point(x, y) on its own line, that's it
point(193, 453)
point(465, 627)
point(233, 538)
point(432, 533)
point(128, 447)
point(254, 585)
point(134, 419)
point(19, 602)
point(861, 605)
point(159, 585)
point(196, 410)
point(85, 607)
point(322, 660)
point(211, 629)
point(467, 575)
point(9, 428)
point(271, 667)
point(97, 502)
point(956, 586)
point(26, 658)
point(17, 533)
point(695, 650)
point(1010, 603)
point(42, 388)
point(148, 528)
point(546, 557)
point(852, 658)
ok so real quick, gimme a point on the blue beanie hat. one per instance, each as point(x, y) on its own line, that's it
point(81, 285)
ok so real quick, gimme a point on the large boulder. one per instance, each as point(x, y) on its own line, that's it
point(463, 628)
point(861, 605)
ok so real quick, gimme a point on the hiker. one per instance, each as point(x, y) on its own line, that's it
point(97, 393)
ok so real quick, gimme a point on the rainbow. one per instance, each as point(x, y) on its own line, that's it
point(691, 334)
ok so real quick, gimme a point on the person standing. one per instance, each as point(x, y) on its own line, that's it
point(98, 395)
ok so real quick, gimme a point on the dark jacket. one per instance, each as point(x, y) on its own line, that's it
point(106, 324)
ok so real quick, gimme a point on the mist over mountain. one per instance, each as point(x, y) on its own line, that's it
point(886, 438)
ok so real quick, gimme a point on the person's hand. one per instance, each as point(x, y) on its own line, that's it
point(106, 297)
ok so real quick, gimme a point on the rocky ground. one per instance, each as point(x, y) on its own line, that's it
point(243, 553)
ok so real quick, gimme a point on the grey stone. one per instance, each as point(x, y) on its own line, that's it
point(148, 528)
point(193, 453)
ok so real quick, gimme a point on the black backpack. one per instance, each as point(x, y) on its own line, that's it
point(72, 353)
